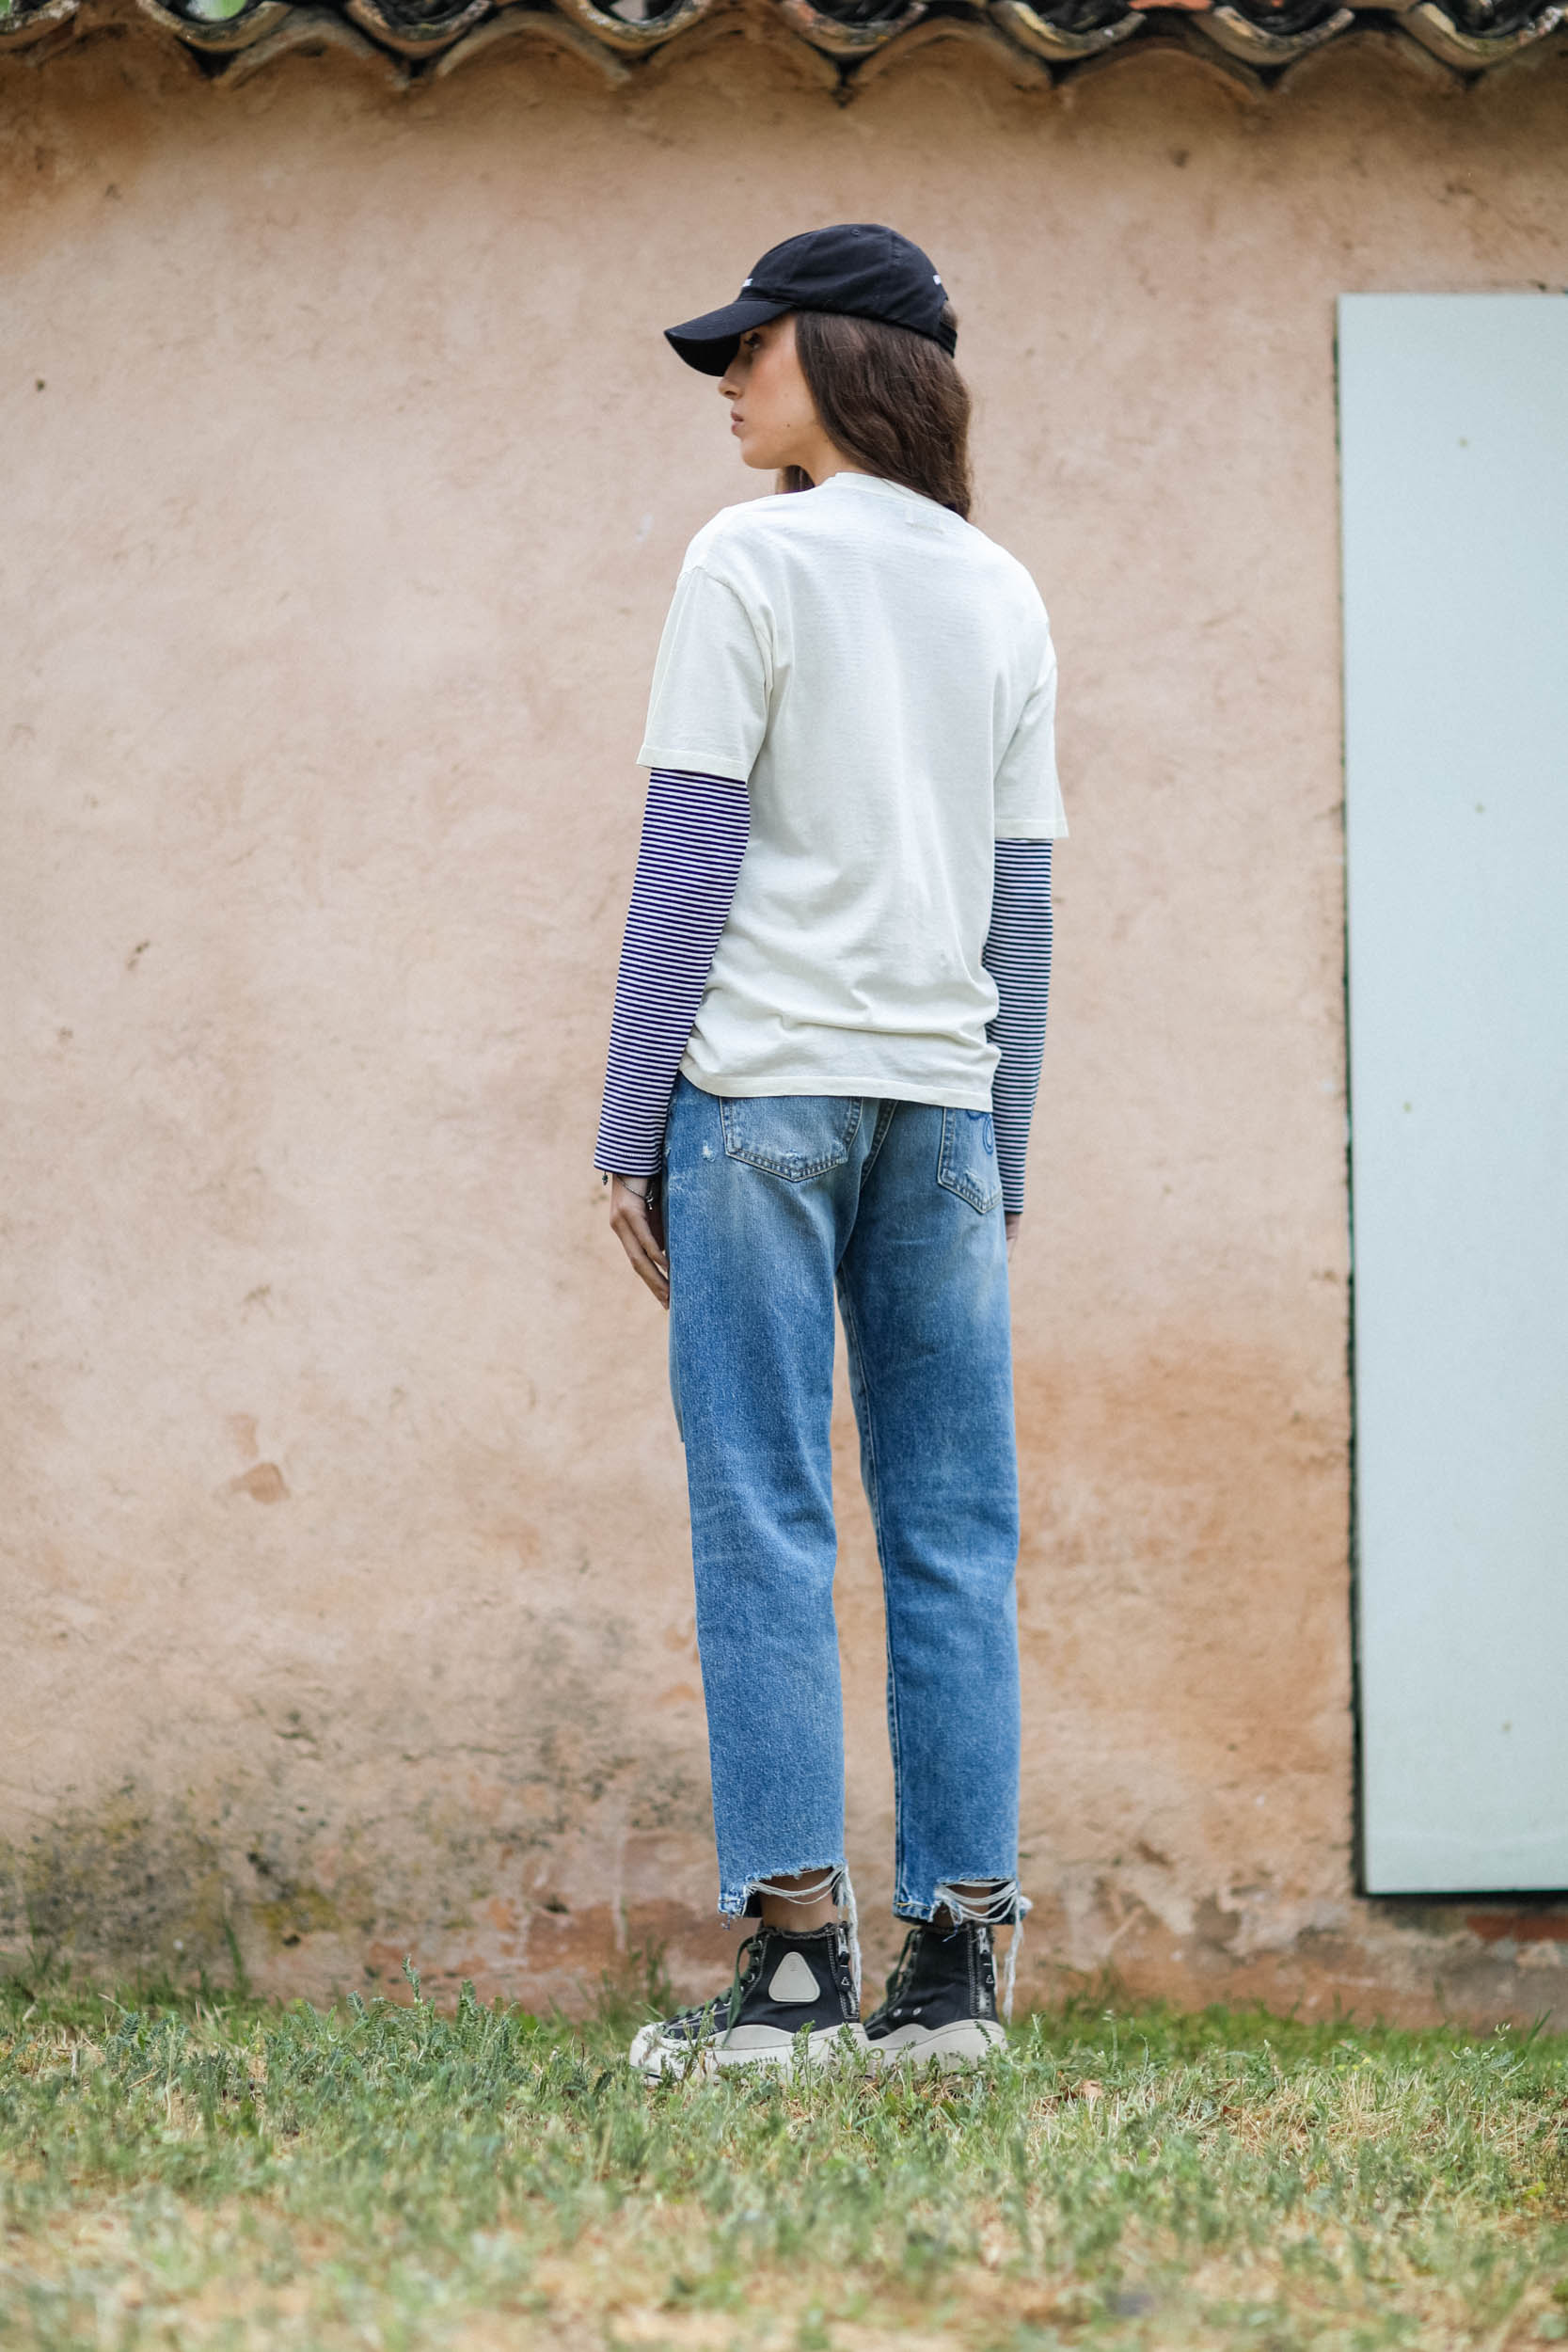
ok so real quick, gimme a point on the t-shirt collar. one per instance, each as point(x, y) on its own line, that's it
point(878, 486)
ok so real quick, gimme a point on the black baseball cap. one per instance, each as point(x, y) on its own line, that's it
point(857, 269)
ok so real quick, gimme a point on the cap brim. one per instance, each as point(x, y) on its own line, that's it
point(708, 343)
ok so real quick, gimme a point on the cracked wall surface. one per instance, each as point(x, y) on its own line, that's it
point(347, 1593)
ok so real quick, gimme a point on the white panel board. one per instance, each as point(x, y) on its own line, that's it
point(1454, 470)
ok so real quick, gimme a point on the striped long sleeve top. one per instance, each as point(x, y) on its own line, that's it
point(1016, 954)
point(694, 833)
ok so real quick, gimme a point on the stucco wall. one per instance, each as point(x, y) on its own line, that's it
point(346, 481)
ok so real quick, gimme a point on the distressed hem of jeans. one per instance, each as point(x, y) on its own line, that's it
point(1004, 1906)
point(831, 1882)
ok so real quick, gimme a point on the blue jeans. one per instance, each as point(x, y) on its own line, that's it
point(768, 1203)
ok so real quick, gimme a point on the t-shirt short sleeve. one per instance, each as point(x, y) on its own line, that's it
point(708, 710)
point(1029, 797)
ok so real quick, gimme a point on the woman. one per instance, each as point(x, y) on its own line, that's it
point(823, 1061)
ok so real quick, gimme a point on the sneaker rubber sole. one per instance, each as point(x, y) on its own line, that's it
point(964, 2042)
point(748, 2045)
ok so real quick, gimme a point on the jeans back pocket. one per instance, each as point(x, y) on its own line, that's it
point(967, 1161)
point(793, 1135)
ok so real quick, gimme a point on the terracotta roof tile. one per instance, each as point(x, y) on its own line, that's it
point(1045, 39)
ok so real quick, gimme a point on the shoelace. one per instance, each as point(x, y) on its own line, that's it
point(749, 1957)
point(902, 1970)
point(729, 2001)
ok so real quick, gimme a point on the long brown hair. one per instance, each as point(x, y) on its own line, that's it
point(889, 398)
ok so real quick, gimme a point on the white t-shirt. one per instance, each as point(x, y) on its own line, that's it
point(882, 676)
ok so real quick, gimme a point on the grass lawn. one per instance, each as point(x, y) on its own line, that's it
point(180, 2170)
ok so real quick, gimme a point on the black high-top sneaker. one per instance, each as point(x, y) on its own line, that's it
point(782, 1982)
point(941, 2000)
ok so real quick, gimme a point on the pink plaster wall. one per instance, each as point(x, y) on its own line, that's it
point(344, 482)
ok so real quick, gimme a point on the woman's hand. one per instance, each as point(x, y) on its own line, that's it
point(1013, 1219)
point(636, 1223)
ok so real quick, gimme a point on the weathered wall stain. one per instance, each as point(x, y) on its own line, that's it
point(119, 1884)
point(319, 821)
point(263, 1483)
point(127, 1893)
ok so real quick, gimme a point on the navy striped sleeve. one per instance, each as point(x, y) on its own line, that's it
point(1016, 954)
point(694, 833)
